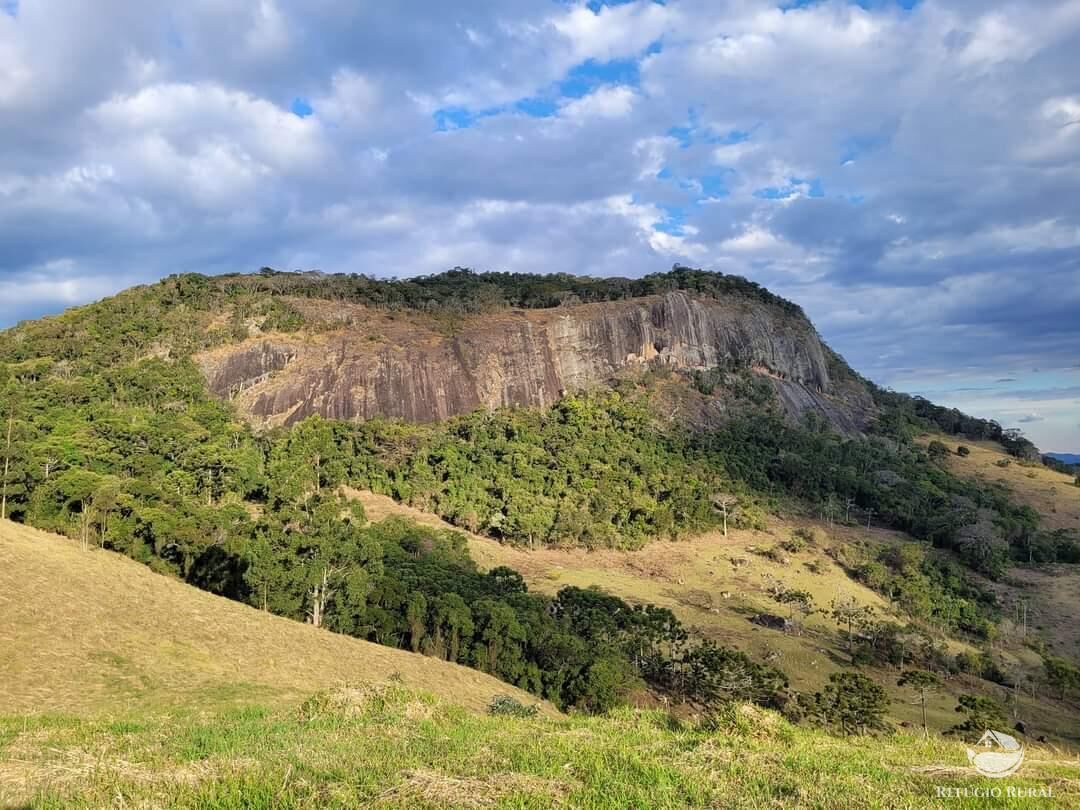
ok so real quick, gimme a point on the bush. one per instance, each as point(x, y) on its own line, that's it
point(800, 540)
point(507, 706)
point(776, 554)
point(963, 450)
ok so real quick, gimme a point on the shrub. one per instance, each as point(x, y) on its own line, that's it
point(507, 706)
point(800, 540)
point(963, 450)
point(776, 554)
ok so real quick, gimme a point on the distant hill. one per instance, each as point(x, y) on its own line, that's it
point(92, 631)
point(1067, 458)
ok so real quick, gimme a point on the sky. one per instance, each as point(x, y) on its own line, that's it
point(908, 171)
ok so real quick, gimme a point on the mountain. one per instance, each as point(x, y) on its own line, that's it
point(218, 430)
point(1066, 458)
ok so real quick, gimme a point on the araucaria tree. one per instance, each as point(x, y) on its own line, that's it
point(922, 682)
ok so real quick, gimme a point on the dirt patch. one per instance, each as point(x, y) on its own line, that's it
point(435, 789)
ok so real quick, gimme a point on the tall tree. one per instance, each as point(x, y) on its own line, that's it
point(922, 682)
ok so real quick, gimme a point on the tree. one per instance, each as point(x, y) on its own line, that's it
point(712, 675)
point(852, 701)
point(7, 459)
point(980, 714)
point(937, 450)
point(850, 613)
point(723, 502)
point(801, 601)
point(922, 682)
point(416, 616)
point(1061, 675)
point(502, 635)
point(453, 617)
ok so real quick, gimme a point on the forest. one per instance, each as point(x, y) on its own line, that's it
point(111, 438)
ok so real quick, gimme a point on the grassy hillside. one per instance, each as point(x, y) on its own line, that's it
point(1051, 493)
point(1051, 591)
point(717, 584)
point(92, 632)
point(390, 747)
point(127, 688)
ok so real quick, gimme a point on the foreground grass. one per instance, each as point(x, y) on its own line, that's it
point(387, 746)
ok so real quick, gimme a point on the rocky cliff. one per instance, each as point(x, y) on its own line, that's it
point(361, 363)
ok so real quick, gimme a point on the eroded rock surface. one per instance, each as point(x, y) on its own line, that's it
point(365, 363)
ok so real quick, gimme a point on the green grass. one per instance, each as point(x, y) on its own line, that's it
point(388, 746)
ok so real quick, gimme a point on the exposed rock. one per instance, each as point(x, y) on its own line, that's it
point(415, 367)
point(772, 621)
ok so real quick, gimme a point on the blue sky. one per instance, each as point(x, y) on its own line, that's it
point(907, 171)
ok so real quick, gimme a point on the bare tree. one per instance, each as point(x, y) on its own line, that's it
point(322, 592)
point(49, 464)
point(7, 462)
point(724, 502)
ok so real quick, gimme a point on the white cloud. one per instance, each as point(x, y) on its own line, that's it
point(607, 102)
point(613, 32)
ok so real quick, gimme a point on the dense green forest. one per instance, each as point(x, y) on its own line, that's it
point(111, 437)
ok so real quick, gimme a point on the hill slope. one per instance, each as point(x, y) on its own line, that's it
point(1051, 592)
point(92, 631)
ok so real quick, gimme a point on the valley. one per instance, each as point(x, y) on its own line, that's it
point(697, 580)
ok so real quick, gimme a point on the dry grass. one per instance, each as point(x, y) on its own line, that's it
point(697, 579)
point(1048, 492)
point(92, 631)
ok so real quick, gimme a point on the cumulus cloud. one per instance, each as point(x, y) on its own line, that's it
point(911, 176)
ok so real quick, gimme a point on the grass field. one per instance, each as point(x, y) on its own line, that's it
point(387, 746)
point(1051, 592)
point(1052, 494)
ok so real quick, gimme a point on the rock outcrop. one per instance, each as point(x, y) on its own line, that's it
point(362, 363)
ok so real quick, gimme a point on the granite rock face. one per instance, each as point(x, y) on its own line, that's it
point(366, 363)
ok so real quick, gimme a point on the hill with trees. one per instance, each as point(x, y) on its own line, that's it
point(116, 437)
